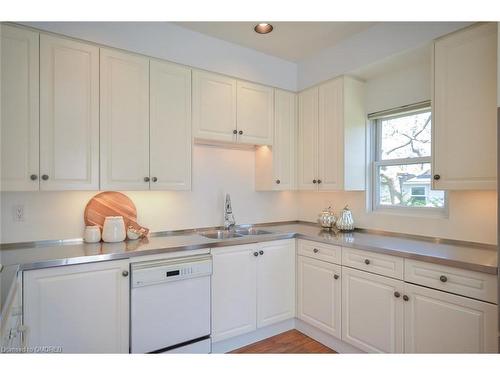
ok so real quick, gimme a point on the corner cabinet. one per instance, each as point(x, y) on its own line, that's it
point(69, 114)
point(20, 109)
point(275, 166)
point(81, 308)
point(332, 136)
point(253, 286)
point(464, 109)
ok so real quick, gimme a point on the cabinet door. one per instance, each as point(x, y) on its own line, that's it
point(331, 135)
point(81, 308)
point(275, 282)
point(170, 128)
point(308, 140)
point(439, 322)
point(464, 109)
point(372, 316)
point(319, 294)
point(20, 109)
point(234, 292)
point(255, 113)
point(124, 121)
point(285, 139)
point(214, 107)
point(69, 114)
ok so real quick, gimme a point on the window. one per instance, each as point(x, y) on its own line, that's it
point(402, 160)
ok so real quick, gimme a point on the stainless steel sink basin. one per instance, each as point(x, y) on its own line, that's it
point(221, 234)
point(252, 232)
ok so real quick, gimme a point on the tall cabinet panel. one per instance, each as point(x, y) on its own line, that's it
point(275, 167)
point(255, 110)
point(20, 109)
point(464, 109)
point(69, 115)
point(214, 107)
point(308, 140)
point(170, 127)
point(124, 121)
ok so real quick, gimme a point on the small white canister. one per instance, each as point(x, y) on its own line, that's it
point(92, 234)
point(113, 229)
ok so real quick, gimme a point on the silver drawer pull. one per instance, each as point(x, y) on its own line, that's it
point(315, 250)
point(443, 278)
point(367, 261)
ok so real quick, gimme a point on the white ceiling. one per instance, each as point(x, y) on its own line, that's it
point(292, 41)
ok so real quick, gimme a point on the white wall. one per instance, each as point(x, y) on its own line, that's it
point(174, 43)
point(59, 215)
point(371, 45)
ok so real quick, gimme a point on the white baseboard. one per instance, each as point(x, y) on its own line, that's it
point(249, 338)
point(333, 343)
point(263, 333)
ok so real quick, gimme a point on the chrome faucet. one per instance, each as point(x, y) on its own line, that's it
point(229, 221)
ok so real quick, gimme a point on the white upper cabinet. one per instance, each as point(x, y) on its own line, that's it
point(275, 167)
point(439, 322)
point(464, 109)
point(214, 107)
point(332, 136)
point(170, 126)
point(69, 114)
point(307, 160)
point(124, 121)
point(81, 308)
point(20, 109)
point(255, 113)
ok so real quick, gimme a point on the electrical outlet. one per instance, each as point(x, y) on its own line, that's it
point(18, 212)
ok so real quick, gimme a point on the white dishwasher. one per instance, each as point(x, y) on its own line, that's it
point(170, 306)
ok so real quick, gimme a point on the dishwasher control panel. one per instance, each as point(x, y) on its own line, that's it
point(148, 273)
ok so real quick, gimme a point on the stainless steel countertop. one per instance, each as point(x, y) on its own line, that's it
point(469, 256)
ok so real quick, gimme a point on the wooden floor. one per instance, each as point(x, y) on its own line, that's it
point(287, 342)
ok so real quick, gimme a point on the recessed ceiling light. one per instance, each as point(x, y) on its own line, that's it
point(263, 28)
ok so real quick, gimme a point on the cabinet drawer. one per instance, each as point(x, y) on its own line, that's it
point(322, 251)
point(382, 264)
point(450, 279)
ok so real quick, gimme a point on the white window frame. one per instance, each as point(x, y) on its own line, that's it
point(375, 161)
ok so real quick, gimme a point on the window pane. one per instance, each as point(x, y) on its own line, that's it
point(408, 185)
point(406, 137)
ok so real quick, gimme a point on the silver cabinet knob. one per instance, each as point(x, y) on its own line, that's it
point(261, 252)
point(319, 181)
point(367, 261)
point(235, 131)
point(336, 277)
point(314, 181)
point(443, 278)
point(406, 298)
point(315, 251)
point(240, 132)
point(255, 254)
point(125, 273)
point(397, 294)
point(45, 177)
point(278, 182)
point(34, 177)
point(146, 179)
point(437, 177)
point(155, 179)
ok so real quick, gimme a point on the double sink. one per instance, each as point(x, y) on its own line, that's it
point(224, 234)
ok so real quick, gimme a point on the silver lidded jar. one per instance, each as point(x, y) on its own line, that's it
point(345, 222)
point(326, 218)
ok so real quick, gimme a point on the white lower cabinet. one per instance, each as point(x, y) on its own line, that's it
point(372, 315)
point(81, 308)
point(440, 322)
point(319, 294)
point(252, 287)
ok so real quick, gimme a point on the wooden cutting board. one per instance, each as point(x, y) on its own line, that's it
point(112, 203)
